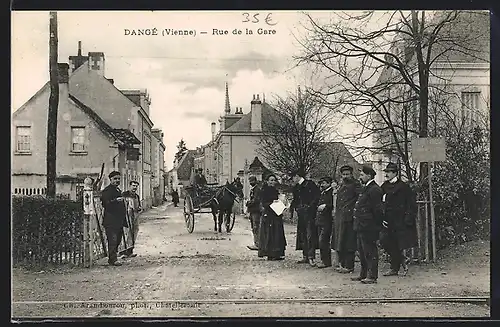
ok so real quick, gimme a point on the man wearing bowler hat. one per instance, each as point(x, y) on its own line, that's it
point(345, 239)
point(399, 226)
point(305, 202)
point(368, 217)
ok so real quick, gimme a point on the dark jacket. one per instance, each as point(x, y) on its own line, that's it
point(253, 204)
point(200, 180)
point(306, 197)
point(347, 196)
point(368, 214)
point(324, 217)
point(400, 212)
point(114, 211)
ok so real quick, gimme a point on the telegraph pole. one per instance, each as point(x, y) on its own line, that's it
point(53, 106)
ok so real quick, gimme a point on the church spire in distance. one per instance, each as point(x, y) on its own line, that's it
point(227, 107)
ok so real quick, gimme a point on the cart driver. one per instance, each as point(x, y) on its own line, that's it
point(199, 179)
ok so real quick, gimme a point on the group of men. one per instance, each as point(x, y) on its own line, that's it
point(354, 216)
point(118, 206)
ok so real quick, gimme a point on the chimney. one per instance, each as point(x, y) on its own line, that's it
point(79, 48)
point(213, 131)
point(63, 78)
point(96, 62)
point(256, 110)
point(63, 73)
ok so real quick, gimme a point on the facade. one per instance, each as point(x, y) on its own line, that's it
point(89, 103)
point(158, 164)
point(85, 143)
point(459, 84)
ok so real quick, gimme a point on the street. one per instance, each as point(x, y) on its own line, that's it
point(175, 265)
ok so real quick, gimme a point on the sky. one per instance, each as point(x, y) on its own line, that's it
point(184, 75)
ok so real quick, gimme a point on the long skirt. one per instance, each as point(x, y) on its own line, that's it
point(272, 241)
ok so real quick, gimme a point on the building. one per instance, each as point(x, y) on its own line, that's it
point(459, 84)
point(158, 164)
point(233, 151)
point(125, 112)
point(85, 142)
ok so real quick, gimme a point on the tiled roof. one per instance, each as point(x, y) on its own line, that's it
point(245, 123)
point(126, 136)
point(334, 156)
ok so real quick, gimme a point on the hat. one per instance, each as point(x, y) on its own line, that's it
point(114, 173)
point(392, 167)
point(199, 169)
point(346, 167)
point(326, 179)
point(367, 169)
point(295, 172)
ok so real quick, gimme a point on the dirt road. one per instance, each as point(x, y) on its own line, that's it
point(175, 265)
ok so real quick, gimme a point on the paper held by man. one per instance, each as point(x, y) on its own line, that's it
point(278, 207)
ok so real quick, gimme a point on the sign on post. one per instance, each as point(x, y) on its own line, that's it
point(427, 149)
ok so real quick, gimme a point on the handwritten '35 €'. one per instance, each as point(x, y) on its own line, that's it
point(248, 18)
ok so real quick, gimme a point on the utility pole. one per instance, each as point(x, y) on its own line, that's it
point(53, 106)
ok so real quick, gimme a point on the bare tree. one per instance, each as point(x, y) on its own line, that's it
point(292, 137)
point(380, 70)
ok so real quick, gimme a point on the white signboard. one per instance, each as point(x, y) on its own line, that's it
point(88, 202)
point(427, 149)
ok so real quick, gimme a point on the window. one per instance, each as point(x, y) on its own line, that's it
point(78, 139)
point(470, 106)
point(23, 139)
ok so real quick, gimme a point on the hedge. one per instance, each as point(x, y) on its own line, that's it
point(46, 230)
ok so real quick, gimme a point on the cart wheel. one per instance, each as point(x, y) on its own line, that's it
point(230, 223)
point(189, 214)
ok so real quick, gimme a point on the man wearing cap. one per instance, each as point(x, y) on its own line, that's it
point(253, 207)
point(305, 202)
point(324, 221)
point(399, 226)
point(133, 208)
point(114, 216)
point(345, 239)
point(367, 223)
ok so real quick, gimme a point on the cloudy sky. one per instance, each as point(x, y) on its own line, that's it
point(184, 75)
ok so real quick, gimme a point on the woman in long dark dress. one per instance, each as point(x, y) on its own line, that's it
point(272, 242)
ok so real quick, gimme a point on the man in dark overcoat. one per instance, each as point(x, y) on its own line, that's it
point(305, 202)
point(115, 216)
point(345, 239)
point(253, 208)
point(324, 221)
point(399, 226)
point(368, 216)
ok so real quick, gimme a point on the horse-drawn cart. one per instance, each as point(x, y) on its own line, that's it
point(208, 199)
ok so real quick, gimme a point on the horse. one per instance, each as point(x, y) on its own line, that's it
point(222, 203)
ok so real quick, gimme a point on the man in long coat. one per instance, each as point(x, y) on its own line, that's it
point(115, 216)
point(324, 221)
point(253, 207)
point(345, 239)
point(305, 202)
point(368, 217)
point(399, 226)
